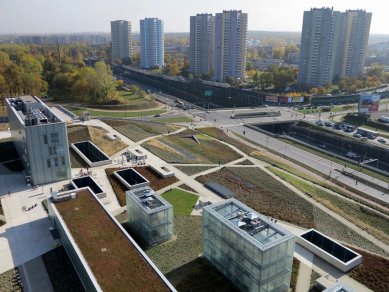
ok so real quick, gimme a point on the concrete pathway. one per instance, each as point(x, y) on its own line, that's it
point(26, 233)
point(303, 278)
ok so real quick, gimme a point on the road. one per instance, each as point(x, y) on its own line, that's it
point(316, 162)
point(222, 119)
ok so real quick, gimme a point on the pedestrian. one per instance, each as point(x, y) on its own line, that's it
point(9, 193)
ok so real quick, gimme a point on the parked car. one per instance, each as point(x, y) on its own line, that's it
point(157, 116)
point(356, 135)
point(324, 146)
point(319, 123)
point(371, 137)
point(328, 124)
point(363, 139)
point(381, 140)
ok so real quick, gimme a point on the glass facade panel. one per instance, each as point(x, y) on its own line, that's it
point(253, 263)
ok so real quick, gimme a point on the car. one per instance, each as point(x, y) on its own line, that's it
point(371, 137)
point(319, 123)
point(324, 146)
point(338, 127)
point(381, 140)
point(363, 139)
point(356, 135)
point(157, 116)
point(328, 124)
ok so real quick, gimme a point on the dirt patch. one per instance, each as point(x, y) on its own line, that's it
point(373, 272)
point(263, 193)
point(182, 250)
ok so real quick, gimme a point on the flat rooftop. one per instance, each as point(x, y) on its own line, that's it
point(114, 260)
point(32, 111)
point(148, 199)
point(249, 222)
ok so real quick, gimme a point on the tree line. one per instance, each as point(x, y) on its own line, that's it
point(58, 71)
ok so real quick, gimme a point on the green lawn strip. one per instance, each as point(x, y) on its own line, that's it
point(337, 160)
point(182, 201)
point(364, 218)
point(326, 185)
point(182, 148)
point(117, 114)
point(175, 120)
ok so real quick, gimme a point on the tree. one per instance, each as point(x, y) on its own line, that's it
point(265, 80)
point(105, 86)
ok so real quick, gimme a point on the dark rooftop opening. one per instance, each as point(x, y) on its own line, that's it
point(87, 181)
point(131, 176)
point(91, 151)
point(326, 244)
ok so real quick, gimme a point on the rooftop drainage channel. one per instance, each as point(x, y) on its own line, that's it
point(91, 154)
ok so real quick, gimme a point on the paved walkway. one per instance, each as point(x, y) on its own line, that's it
point(303, 278)
point(26, 233)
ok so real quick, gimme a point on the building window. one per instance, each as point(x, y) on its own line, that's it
point(48, 163)
point(54, 137)
point(45, 139)
point(55, 161)
point(63, 160)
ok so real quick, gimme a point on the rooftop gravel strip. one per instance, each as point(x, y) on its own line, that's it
point(112, 257)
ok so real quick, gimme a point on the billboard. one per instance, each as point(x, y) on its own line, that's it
point(369, 103)
point(271, 98)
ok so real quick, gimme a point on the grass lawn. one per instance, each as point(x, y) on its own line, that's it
point(137, 130)
point(183, 148)
point(183, 202)
point(175, 120)
point(134, 102)
point(117, 114)
point(364, 218)
point(191, 170)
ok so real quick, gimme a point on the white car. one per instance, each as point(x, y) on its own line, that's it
point(381, 140)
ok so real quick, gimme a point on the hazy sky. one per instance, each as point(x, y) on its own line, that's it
point(56, 16)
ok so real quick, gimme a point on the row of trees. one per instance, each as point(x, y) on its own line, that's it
point(60, 71)
point(276, 77)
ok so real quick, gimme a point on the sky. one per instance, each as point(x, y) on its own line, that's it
point(62, 16)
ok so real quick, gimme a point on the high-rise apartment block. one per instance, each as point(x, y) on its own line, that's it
point(218, 44)
point(152, 43)
point(230, 45)
point(121, 39)
point(202, 42)
point(333, 45)
point(40, 138)
point(252, 251)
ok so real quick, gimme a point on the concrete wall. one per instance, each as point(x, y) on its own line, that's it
point(84, 273)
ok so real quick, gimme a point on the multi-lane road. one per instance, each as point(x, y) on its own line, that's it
point(222, 119)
